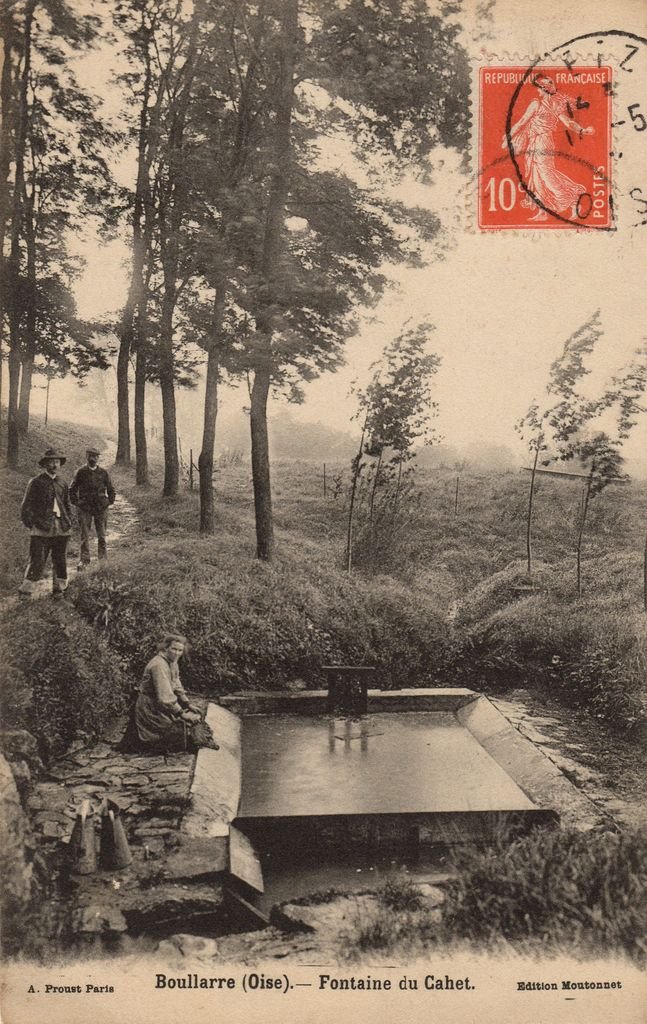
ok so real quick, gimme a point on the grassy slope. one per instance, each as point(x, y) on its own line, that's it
point(60, 679)
point(508, 628)
point(260, 626)
point(548, 894)
point(254, 625)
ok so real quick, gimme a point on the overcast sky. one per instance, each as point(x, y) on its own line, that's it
point(503, 303)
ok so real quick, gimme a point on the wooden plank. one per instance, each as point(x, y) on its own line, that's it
point(243, 860)
point(577, 476)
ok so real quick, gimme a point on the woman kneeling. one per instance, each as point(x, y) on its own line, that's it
point(163, 719)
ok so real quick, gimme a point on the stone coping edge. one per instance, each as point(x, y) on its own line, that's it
point(216, 786)
point(308, 701)
point(532, 770)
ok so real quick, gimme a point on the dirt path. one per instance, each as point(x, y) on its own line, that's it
point(123, 521)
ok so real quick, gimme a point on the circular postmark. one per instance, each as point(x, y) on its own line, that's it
point(547, 173)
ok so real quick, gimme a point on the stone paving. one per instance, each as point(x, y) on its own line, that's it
point(151, 791)
point(554, 730)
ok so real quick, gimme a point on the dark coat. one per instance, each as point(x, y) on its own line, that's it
point(37, 507)
point(91, 489)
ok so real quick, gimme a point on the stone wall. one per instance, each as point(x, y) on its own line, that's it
point(15, 869)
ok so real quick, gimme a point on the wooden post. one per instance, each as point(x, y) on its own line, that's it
point(585, 506)
point(531, 498)
point(456, 496)
point(347, 688)
point(397, 488)
point(190, 469)
point(324, 479)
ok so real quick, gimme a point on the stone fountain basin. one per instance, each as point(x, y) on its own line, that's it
point(424, 766)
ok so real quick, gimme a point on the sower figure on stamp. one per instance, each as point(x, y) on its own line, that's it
point(533, 140)
point(92, 492)
point(47, 513)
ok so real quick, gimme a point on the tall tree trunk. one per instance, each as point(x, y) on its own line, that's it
point(171, 214)
point(141, 448)
point(167, 386)
point(29, 347)
point(122, 457)
point(16, 303)
point(24, 398)
point(141, 357)
point(261, 465)
point(585, 508)
point(206, 457)
point(136, 292)
point(13, 436)
point(6, 89)
point(272, 250)
point(531, 499)
point(144, 242)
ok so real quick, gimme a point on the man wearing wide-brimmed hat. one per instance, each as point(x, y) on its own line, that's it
point(47, 513)
point(92, 492)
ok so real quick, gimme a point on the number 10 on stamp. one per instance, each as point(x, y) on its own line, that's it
point(545, 148)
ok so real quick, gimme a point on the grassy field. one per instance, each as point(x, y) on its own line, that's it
point(436, 596)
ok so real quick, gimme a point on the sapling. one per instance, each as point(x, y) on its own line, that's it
point(397, 408)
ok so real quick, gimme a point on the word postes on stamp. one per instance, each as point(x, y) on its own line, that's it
point(545, 148)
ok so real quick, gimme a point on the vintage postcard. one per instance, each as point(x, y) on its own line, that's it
point(323, 580)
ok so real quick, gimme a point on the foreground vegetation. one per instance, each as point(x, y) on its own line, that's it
point(551, 893)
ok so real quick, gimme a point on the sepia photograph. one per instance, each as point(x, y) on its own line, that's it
point(323, 447)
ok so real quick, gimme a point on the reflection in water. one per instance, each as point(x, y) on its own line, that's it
point(335, 734)
point(287, 877)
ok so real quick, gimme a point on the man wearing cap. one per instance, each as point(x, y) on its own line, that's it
point(92, 492)
point(47, 513)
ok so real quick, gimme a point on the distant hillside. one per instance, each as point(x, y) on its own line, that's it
point(289, 438)
point(478, 456)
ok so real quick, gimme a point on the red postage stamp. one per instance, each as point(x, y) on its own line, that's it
point(545, 147)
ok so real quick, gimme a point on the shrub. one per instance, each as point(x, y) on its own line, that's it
point(583, 652)
point(401, 894)
point(502, 589)
point(381, 931)
point(61, 679)
point(608, 674)
point(258, 626)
